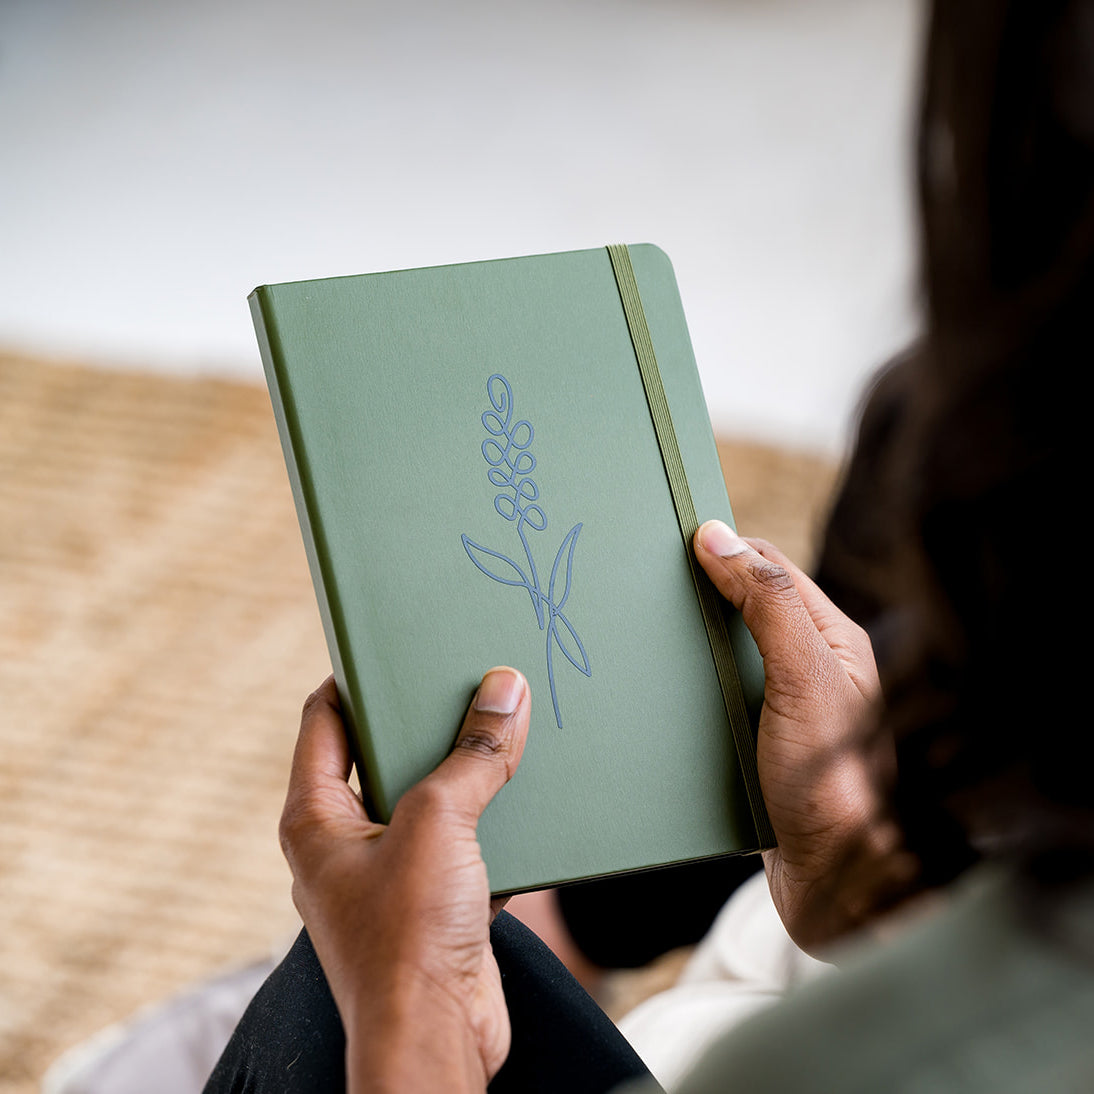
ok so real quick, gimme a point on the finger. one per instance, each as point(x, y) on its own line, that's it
point(490, 743)
point(318, 790)
point(763, 589)
point(322, 752)
point(822, 611)
point(837, 627)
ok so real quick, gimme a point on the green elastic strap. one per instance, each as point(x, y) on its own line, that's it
point(710, 600)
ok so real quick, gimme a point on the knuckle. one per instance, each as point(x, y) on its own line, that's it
point(772, 577)
point(324, 695)
point(310, 704)
point(862, 644)
point(855, 639)
point(495, 749)
point(479, 742)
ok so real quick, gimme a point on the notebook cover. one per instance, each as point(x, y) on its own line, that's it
point(479, 482)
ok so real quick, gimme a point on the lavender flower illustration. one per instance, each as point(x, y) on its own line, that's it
point(507, 451)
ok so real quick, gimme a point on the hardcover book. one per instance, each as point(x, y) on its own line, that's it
point(503, 462)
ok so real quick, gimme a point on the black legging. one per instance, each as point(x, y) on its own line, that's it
point(290, 1039)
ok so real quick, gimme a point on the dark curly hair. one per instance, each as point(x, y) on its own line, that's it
point(959, 534)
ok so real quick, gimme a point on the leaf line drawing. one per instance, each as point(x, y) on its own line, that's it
point(507, 451)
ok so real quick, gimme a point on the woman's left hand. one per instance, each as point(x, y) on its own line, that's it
point(399, 914)
point(824, 772)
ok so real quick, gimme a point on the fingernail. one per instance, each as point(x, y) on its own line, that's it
point(720, 539)
point(500, 691)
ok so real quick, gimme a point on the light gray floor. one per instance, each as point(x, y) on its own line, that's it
point(161, 159)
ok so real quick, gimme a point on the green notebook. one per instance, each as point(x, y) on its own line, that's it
point(501, 463)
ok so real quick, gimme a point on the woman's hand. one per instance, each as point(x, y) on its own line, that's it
point(400, 914)
point(823, 772)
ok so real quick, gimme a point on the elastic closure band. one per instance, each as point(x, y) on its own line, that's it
point(710, 600)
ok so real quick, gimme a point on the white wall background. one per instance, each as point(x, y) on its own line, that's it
point(160, 159)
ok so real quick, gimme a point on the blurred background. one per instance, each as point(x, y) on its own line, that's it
point(160, 160)
point(157, 631)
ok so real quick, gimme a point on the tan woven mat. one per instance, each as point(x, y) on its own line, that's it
point(157, 637)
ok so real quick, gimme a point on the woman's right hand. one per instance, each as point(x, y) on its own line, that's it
point(822, 769)
point(400, 913)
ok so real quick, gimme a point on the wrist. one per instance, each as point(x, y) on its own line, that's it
point(411, 1039)
point(873, 875)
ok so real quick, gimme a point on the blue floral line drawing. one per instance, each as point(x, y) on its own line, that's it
point(507, 451)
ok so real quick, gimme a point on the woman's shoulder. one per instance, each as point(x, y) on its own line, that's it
point(977, 997)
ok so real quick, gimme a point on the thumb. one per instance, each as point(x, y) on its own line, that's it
point(764, 590)
point(490, 744)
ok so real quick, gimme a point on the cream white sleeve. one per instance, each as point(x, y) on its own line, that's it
point(745, 962)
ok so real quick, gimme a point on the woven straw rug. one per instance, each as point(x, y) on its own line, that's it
point(157, 637)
